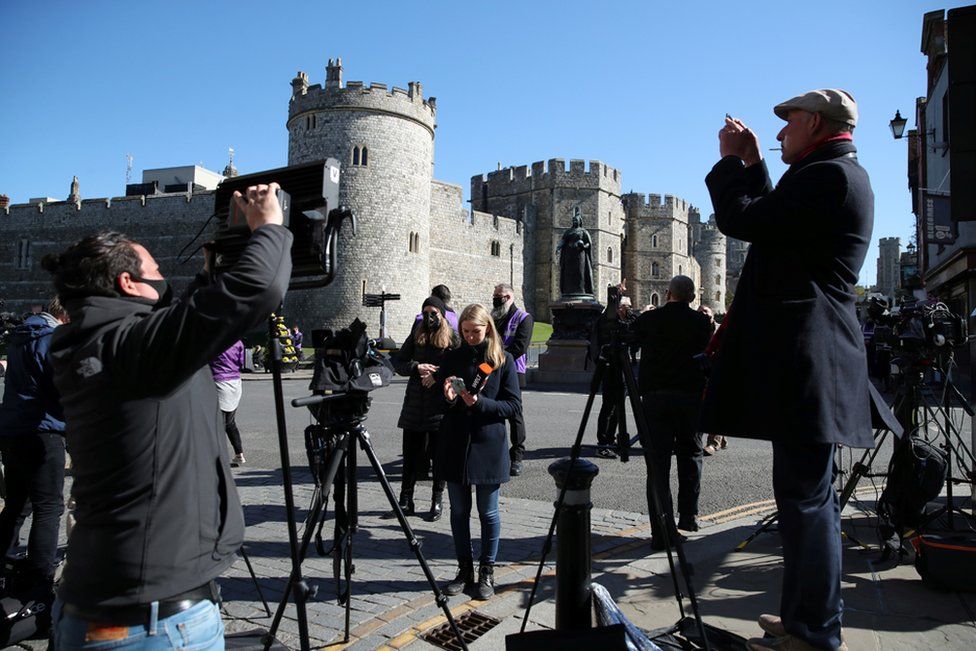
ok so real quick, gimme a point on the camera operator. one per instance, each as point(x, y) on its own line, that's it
point(791, 367)
point(32, 440)
point(617, 317)
point(671, 382)
point(158, 516)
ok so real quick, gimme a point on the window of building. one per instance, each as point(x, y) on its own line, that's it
point(414, 245)
point(680, 270)
point(718, 279)
point(360, 155)
point(365, 156)
point(609, 217)
point(655, 270)
point(654, 300)
point(653, 241)
point(718, 297)
point(609, 254)
point(718, 262)
point(24, 254)
point(496, 248)
point(355, 155)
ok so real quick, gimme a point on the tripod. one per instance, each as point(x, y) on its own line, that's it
point(342, 434)
point(615, 361)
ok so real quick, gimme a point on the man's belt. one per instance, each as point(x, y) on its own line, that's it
point(139, 614)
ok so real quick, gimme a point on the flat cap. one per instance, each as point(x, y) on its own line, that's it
point(833, 103)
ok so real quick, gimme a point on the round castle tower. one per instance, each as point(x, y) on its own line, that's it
point(710, 253)
point(384, 140)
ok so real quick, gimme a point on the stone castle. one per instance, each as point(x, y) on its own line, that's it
point(413, 230)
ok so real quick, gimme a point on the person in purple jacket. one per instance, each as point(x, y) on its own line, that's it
point(226, 371)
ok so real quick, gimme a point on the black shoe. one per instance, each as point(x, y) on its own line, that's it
point(688, 524)
point(436, 510)
point(406, 503)
point(486, 581)
point(516, 469)
point(606, 453)
point(464, 578)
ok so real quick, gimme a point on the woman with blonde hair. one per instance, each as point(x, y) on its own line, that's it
point(423, 405)
point(473, 447)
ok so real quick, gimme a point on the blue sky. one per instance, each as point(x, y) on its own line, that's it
point(642, 86)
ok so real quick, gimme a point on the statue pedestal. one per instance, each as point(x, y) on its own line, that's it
point(566, 361)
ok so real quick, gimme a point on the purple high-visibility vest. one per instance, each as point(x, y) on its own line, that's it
point(509, 336)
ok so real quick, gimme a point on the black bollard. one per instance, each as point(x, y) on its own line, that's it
point(573, 601)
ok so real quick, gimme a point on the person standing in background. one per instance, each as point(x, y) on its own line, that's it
point(226, 371)
point(514, 325)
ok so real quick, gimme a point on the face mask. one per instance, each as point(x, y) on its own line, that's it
point(431, 321)
point(162, 288)
point(497, 301)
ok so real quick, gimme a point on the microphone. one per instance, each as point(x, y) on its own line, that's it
point(484, 370)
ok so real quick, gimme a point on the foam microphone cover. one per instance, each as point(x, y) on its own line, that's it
point(484, 370)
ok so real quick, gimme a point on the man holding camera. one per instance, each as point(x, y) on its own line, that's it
point(671, 382)
point(791, 367)
point(157, 516)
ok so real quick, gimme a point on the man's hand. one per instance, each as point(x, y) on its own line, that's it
point(261, 206)
point(736, 139)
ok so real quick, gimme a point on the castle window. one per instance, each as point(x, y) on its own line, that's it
point(718, 296)
point(680, 271)
point(653, 241)
point(609, 254)
point(654, 300)
point(655, 270)
point(718, 279)
point(718, 262)
point(496, 248)
point(355, 155)
point(518, 226)
point(609, 217)
point(360, 155)
point(24, 254)
point(365, 156)
point(414, 245)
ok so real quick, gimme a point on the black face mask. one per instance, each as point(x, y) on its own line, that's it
point(497, 301)
point(431, 321)
point(162, 288)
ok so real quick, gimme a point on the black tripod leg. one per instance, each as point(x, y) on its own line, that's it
point(861, 469)
point(254, 579)
point(644, 432)
point(764, 525)
point(319, 497)
point(363, 436)
point(574, 454)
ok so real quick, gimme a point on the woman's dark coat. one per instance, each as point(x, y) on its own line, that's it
point(423, 407)
point(792, 363)
point(473, 442)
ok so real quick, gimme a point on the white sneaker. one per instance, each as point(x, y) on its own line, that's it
point(238, 460)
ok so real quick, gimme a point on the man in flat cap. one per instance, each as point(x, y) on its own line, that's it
point(792, 338)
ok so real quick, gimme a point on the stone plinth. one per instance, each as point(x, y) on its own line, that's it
point(567, 359)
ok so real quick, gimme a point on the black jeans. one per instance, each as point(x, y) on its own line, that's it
point(672, 418)
point(418, 458)
point(234, 434)
point(606, 422)
point(34, 468)
point(516, 426)
point(809, 526)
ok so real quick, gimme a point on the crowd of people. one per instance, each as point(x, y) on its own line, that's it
point(139, 384)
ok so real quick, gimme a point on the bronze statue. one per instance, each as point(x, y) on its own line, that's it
point(575, 253)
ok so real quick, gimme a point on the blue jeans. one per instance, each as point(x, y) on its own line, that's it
point(195, 629)
point(491, 525)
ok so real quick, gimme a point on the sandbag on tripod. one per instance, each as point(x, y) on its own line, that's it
point(916, 475)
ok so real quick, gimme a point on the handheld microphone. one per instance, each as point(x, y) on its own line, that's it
point(484, 370)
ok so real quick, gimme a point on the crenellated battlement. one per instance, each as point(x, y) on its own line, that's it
point(595, 175)
point(408, 102)
point(652, 206)
point(107, 208)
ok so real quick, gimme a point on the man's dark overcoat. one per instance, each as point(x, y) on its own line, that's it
point(473, 443)
point(792, 363)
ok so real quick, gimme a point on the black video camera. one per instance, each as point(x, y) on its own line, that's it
point(923, 327)
point(309, 199)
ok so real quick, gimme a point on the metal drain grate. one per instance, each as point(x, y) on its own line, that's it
point(472, 625)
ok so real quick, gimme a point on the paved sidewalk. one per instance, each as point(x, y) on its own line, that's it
point(886, 607)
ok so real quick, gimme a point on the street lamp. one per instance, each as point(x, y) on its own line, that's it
point(897, 125)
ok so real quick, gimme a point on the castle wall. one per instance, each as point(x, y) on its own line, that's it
point(461, 252)
point(710, 253)
point(390, 195)
point(164, 224)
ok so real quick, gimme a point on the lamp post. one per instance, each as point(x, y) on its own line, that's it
point(897, 125)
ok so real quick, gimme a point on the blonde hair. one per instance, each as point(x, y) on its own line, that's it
point(441, 338)
point(478, 315)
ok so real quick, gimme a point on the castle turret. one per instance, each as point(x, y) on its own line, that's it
point(384, 140)
point(710, 251)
